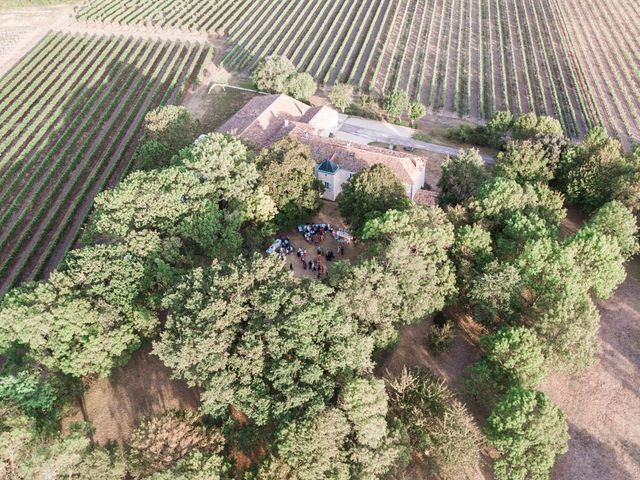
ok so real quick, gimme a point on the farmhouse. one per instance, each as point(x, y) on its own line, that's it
point(266, 119)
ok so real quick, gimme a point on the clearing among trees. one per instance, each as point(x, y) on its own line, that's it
point(70, 115)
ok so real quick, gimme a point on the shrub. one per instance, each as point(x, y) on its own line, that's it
point(161, 441)
point(440, 337)
point(341, 95)
point(416, 111)
point(439, 427)
point(301, 86)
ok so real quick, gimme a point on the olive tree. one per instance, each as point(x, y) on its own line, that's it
point(341, 95)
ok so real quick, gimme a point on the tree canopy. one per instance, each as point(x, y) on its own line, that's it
point(277, 74)
point(287, 173)
point(202, 201)
point(370, 193)
point(462, 177)
point(439, 427)
point(408, 276)
point(301, 86)
point(530, 432)
point(170, 125)
point(249, 336)
point(396, 103)
point(272, 74)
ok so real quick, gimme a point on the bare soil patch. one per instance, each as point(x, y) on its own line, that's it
point(142, 387)
point(328, 214)
point(213, 106)
point(21, 29)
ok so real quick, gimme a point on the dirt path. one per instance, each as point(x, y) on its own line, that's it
point(21, 30)
point(142, 387)
point(603, 404)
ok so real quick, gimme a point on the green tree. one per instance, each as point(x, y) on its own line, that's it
point(412, 245)
point(396, 103)
point(249, 335)
point(311, 449)
point(462, 177)
point(352, 440)
point(417, 111)
point(203, 201)
point(498, 127)
point(524, 162)
point(301, 86)
point(272, 74)
point(287, 172)
point(530, 432)
point(558, 305)
point(513, 358)
point(29, 391)
point(472, 250)
point(528, 125)
point(370, 294)
point(18, 437)
point(171, 125)
point(599, 259)
point(70, 330)
point(616, 221)
point(494, 294)
point(592, 169)
point(196, 466)
point(71, 456)
point(440, 428)
point(374, 446)
point(341, 95)
point(152, 154)
point(370, 193)
point(627, 188)
point(500, 198)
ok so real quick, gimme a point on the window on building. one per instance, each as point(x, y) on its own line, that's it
point(327, 186)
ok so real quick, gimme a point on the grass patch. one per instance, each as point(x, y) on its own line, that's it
point(422, 136)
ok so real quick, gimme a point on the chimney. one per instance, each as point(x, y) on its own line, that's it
point(286, 123)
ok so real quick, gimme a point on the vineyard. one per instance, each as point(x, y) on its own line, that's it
point(475, 57)
point(605, 41)
point(70, 114)
point(470, 57)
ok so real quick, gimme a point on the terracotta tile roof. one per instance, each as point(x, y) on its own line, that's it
point(355, 157)
point(267, 119)
point(263, 116)
point(426, 197)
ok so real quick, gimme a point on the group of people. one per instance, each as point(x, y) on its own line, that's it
point(314, 233)
point(285, 249)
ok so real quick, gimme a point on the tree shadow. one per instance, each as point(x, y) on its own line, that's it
point(590, 459)
point(142, 387)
